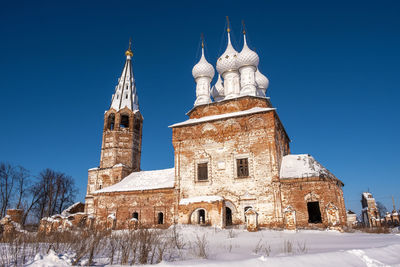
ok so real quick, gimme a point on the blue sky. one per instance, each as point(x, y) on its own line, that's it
point(333, 68)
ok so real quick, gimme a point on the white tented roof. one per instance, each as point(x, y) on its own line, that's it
point(222, 116)
point(302, 166)
point(144, 180)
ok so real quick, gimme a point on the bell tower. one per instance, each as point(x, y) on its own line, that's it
point(122, 136)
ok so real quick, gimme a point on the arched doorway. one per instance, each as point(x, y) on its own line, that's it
point(201, 216)
point(228, 216)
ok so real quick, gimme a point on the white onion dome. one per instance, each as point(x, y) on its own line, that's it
point(217, 91)
point(247, 57)
point(261, 80)
point(228, 60)
point(203, 68)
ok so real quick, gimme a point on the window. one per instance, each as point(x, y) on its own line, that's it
point(124, 121)
point(202, 172)
point(160, 218)
point(135, 215)
point(242, 167)
point(314, 213)
point(111, 121)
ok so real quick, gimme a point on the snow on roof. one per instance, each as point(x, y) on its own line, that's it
point(302, 166)
point(367, 195)
point(209, 199)
point(222, 116)
point(144, 180)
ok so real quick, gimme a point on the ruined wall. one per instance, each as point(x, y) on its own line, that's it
point(297, 192)
point(219, 144)
point(121, 206)
point(188, 214)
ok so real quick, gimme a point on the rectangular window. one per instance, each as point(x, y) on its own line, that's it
point(202, 172)
point(242, 167)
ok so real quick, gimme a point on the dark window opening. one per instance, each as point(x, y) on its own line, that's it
point(135, 215)
point(100, 186)
point(314, 213)
point(126, 96)
point(202, 172)
point(111, 121)
point(202, 217)
point(242, 167)
point(124, 121)
point(160, 218)
point(228, 216)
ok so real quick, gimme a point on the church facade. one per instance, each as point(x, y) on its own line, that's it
point(233, 164)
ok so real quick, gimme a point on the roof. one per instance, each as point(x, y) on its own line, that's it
point(222, 116)
point(302, 166)
point(143, 180)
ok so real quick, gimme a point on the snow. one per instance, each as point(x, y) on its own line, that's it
point(209, 199)
point(50, 260)
point(67, 211)
point(368, 196)
point(237, 247)
point(93, 169)
point(222, 116)
point(144, 180)
point(301, 166)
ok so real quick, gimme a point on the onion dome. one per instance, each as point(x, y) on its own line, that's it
point(261, 80)
point(203, 68)
point(217, 91)
point(228, 60)
point(247, 57)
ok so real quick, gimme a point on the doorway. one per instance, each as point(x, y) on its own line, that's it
point(314, 213)
point(228, 216)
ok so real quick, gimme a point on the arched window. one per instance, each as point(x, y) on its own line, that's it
point(160, 218)
point(135, 215)
point(124, 121)
point(111, 121)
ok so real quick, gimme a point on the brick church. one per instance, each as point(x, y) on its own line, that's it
point(233, 164)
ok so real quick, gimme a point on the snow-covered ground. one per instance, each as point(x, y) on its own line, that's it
point(238, 247)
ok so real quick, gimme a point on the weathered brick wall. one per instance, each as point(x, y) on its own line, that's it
point(228, 106)
point(213, 213)
point(146, 203)
point(297, 192)
point(220, 143)
point(122, 145)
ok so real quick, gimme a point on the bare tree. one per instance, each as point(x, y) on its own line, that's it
point(6, 186)
point(54, 191)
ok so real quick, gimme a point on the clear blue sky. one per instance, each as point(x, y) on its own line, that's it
point(333, 68)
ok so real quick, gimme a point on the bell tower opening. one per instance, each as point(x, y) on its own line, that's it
point(124, 123)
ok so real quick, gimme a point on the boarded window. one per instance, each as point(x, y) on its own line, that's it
point(202, 172)
point(314, 213)
point(160, 218)
point(242, 167)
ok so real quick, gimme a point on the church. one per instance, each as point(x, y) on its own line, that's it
point(232, 160)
